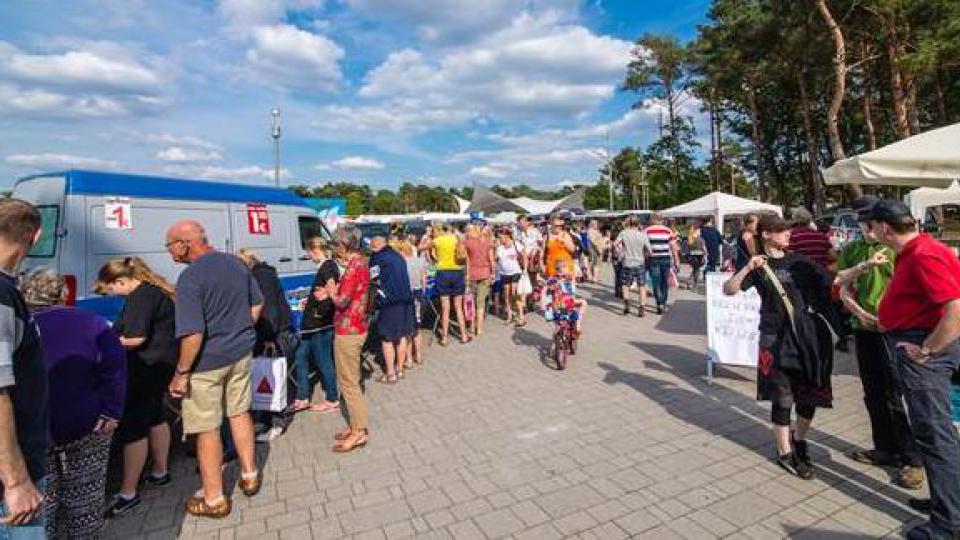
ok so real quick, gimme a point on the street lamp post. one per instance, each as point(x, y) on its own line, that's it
point(275, 133)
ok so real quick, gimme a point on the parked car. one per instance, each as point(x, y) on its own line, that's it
point(841, 224)
point(91, 217)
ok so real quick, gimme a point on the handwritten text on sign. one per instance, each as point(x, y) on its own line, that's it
point(733, 335)
point(258, 219)
point(117, 214)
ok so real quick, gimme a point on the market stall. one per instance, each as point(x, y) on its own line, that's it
point(930, 159)
point(719, 205)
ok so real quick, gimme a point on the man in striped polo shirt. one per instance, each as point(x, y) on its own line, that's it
point(806, 240)
point(664, 257)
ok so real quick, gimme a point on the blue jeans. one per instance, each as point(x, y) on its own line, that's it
point(659, 278)
point(319, 347)
point(36, 530)
point(926, 388)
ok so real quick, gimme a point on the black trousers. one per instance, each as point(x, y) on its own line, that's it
point(884, 399)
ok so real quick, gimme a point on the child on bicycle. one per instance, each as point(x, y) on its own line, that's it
point(560, 299)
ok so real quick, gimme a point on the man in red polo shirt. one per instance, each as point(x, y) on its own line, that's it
point(920, 317)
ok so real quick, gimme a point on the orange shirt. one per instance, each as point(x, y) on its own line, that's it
point(558, 256)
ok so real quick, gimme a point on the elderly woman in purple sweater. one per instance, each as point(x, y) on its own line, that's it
point(86, 370)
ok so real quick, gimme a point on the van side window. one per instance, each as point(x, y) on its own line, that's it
point(310, 227)
point(49, 222)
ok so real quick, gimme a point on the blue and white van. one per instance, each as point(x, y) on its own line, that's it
point(92, 217)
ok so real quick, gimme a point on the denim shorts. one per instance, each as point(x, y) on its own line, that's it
point(450, 283)
point(629, 275)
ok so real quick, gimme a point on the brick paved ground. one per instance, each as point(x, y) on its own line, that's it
point(488, 442)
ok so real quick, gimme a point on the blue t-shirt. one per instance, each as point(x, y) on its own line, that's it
point(214, 296)
point(712, 240)
point(388, 272)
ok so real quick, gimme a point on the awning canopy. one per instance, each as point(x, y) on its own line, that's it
point(718, 205)
point(489, 202)
point(922, 198)
point(929, 159)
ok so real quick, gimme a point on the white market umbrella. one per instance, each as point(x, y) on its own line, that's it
point(930, 159)
point(719, 205)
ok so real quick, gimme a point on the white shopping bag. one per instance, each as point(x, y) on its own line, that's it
point(524, 287)
point(269, 380)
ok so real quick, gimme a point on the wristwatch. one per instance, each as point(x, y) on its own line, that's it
point(183, 371)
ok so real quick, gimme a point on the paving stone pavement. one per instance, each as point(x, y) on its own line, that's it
point(488, 441)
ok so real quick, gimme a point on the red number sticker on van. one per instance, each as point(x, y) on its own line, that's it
point(258, 219)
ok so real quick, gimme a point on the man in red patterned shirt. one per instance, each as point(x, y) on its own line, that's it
point(350, 323)
point(806, 240)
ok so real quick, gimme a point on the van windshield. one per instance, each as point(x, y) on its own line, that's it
point(49, 221)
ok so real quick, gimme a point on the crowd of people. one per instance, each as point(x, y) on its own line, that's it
point(901, 289)
point(73, 386)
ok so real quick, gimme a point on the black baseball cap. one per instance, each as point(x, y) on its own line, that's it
point(889, 211)
point(862, 206)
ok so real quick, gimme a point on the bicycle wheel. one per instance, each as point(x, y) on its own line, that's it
point(560, 350)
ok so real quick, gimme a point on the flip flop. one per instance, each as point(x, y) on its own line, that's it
point(387, 379)
point(325, 407)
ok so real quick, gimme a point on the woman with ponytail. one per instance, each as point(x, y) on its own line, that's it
point(146, 330)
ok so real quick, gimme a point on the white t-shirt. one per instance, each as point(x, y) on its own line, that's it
point(508, 262)
point(530, 240)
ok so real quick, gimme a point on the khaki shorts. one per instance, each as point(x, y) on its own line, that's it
point(481, 291)
point(213, 394)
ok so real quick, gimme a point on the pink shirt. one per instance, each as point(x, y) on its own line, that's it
point(478, 253)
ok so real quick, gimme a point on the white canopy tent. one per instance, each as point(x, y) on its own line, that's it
point(719, 205)
point(922, 198)
point(929, 159)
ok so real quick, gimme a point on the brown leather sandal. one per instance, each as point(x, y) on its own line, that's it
point(346, 445)
point(342, 435)
point(197, 506)
point(250, 486)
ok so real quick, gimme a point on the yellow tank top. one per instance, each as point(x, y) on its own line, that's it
point(446, 248)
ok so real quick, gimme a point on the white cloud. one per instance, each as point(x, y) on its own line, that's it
point(90, 79)
point(530, 68)
point(458, 20)
point(48, 160)
point(187, 154)
point(213, 172)
point(175, 140)
point(486, 171)
point(358, 163)
point(83, 69)
point(244, 15)
point(289, 57)
point(367, 122)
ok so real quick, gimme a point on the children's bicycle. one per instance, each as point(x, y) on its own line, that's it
point(565, 336)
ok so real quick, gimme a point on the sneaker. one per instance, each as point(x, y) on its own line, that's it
point(874, 457)
point(120, 506)
point(802, 450)
point(659, 310)
point(795, 466)
point(157, 481)
point(270, 434)
point(626, 309)
point(910, 477)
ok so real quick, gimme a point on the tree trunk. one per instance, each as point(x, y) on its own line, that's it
point(757, 139)
point(674, 141)
point(867, 103)
point(713, 146)
point(897, 88)
point(814, 170)
point(913, 114)
point(868, 120)
point(839, 87)
point(938, 98)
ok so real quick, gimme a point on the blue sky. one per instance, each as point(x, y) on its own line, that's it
point(447, 92)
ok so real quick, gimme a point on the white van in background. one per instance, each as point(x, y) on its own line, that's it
point(92, 217)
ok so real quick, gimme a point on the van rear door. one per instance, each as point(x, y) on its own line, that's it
point(47, 194)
